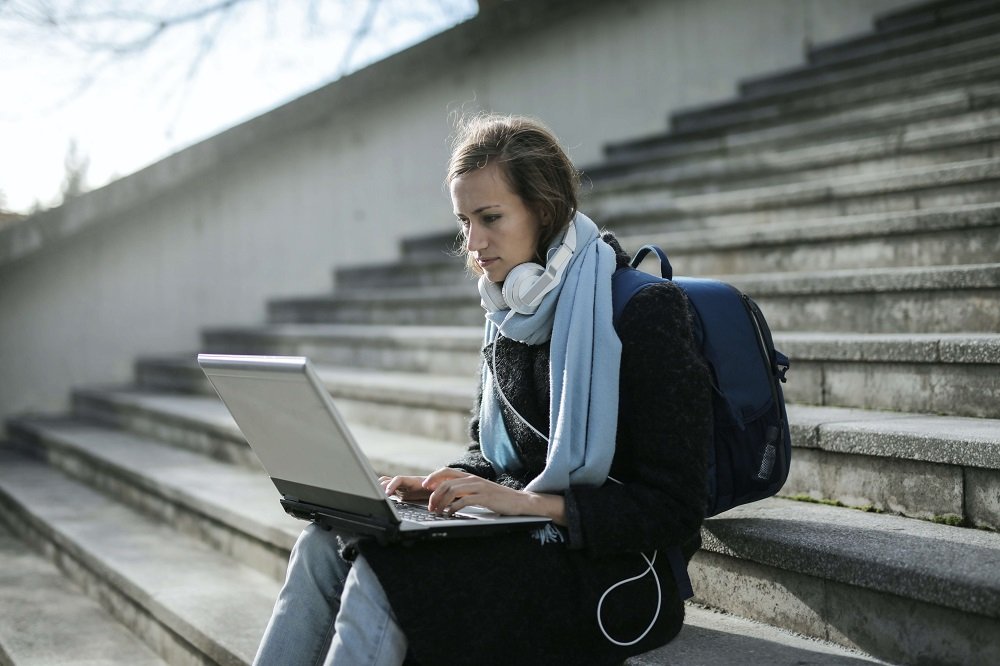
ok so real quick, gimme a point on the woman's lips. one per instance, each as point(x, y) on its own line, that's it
point(483, 263)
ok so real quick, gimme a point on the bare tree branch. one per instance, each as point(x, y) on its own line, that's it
point(359, 35)
point(205, 47)
point(152, 26)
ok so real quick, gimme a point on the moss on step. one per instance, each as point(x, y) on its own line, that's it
point(951, 519)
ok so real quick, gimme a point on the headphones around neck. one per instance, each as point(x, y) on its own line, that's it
point(527, 284)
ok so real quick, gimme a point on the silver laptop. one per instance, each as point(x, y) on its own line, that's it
point(292, 424)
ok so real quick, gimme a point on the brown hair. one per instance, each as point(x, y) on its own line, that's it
point(530, 160)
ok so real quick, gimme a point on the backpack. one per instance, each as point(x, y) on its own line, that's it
point(751, 447)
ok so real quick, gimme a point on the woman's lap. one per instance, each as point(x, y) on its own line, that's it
point(490, 589)
point(511, 586)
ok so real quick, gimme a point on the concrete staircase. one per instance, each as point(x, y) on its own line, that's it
point(857, 198)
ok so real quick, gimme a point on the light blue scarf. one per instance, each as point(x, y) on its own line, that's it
point(584, 359)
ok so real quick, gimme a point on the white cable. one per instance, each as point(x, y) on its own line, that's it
point(659, 599)
point(496, 383)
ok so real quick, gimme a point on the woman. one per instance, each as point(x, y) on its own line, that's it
point(603, 430)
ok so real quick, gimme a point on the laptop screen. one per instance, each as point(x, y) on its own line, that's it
point(291, 423)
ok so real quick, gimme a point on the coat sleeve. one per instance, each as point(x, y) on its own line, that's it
point(664, 427)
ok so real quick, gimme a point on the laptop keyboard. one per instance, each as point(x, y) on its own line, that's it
point(419, 513)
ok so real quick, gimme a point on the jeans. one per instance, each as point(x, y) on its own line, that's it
point(329, 612)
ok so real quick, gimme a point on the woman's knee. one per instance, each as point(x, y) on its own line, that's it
point(317, 551)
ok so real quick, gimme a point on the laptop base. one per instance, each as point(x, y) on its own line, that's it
point(387, 533)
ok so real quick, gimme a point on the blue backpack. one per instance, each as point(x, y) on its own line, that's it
point(751, 450)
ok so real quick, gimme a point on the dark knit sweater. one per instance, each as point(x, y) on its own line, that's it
point(510, 599)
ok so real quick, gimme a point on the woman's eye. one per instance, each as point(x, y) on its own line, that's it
point(488, 219)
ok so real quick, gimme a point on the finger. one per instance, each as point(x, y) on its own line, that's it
point(457, 505)
point(434, 478)
point(440, 498)
point(443, 474)
point(451, 490)
point(393, 486)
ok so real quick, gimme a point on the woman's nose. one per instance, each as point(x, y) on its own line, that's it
point(476, 240)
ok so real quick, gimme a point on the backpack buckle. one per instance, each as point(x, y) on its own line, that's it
point(781, 365)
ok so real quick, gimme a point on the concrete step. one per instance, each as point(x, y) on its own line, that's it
point(198, 423)
point(232, 508)
point(965, 60)
point(926, 14)
point(712, 638)
point(904, 590)
point(404, 426)
point(192, 604)
point(927, 373)
point(938, 468)
point(700, 639)
point(940, 299)
point(652, 207)
point(947, 236)
point(424, 404)
point(894, 54)
point(966, 88)
point(433, 406)
point(778, 161)
point(921, 125)
point(443, 350)
point(905, 30)
point(743, 113)
point(45, 620)
point(422, 247)
point(417, 270)
point(453, 305)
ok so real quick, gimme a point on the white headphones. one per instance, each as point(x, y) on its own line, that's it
point(526, 284)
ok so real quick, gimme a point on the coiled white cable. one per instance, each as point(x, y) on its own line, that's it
point(659, 600)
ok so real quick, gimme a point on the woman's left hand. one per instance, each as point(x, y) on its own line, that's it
point(450, 494)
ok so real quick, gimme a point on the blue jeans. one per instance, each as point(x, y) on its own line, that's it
point(329, 612)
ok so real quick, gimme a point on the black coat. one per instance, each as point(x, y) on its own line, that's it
point(511, 599)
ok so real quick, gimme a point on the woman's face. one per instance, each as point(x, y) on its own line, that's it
point(500, 230)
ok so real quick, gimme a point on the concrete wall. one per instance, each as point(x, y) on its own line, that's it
point(337, 177)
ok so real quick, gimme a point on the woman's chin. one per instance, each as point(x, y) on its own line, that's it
point(495, 276)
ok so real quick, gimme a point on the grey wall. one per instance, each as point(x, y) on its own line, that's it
point(339, 176)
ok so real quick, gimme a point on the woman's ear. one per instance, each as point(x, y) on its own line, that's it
point(544, 216)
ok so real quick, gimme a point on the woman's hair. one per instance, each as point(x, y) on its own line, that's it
point(530, 160)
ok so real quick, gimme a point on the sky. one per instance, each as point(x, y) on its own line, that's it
point(61, 84)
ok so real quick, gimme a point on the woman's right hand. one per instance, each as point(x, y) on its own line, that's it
point(406, 488)
point(418, 488)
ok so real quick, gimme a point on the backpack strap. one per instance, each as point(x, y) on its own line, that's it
point(678, 566)
point(666, 270)
point(626, 282)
